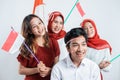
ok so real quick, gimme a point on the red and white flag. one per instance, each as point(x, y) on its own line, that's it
point(38, 8)
point(13, 42)
point(82, 13)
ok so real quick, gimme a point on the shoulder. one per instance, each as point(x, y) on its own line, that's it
point(60, 64)
point(53, 40)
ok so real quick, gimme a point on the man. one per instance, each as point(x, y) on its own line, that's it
point(75, 66)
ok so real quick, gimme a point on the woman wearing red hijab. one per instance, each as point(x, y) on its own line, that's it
point(56, 30)
point(99, 50)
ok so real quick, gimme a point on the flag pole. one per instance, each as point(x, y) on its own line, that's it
point(43, 14)
point(31, 52)
point(115, 58)
point(71, 11)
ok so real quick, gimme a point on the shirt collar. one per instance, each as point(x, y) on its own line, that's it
point(71, 64)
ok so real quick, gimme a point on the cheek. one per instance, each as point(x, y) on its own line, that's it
point(85, 49)
point(34, 31)
point(73, 50)
point(61, 27)
point(53, 25)
point(70, 50)
point(53, 30)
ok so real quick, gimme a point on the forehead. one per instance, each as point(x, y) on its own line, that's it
point(35, 20)
point(87, 24)
point(79, 39)
point(58, 18)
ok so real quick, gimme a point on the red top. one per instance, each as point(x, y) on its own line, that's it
point(47, 55)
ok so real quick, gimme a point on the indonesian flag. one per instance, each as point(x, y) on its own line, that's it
point(82, 13)
point(13, 42)
point(38, 8)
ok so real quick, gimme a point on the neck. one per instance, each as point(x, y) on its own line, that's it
point(76, 61)
point(40, 41)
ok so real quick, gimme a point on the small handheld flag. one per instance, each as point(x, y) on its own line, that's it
point(13, 42)
point(82, 13)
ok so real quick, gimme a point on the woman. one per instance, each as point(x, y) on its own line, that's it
point(56, 31)
point(45, 49)
point(99, 50)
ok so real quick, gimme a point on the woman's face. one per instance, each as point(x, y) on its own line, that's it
point(57, 24)
point(89, 29)
point(38, 28)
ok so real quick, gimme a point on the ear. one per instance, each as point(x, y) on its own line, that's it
point(68, 49)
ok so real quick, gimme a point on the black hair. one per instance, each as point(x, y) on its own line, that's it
point(73, 33)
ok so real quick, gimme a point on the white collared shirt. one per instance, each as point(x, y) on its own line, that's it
point(66, 70)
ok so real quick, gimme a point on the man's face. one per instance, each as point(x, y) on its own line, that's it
point(78, 48)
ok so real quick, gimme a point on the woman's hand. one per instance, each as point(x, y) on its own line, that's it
point(104, 64)
point(43, 70)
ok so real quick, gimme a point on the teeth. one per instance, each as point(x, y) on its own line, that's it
point(57, 29)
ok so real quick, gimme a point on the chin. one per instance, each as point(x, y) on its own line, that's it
point(56, 32)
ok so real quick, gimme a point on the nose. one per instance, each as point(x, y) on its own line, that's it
point(58, 24)
point(80, 48)
point(38, 27)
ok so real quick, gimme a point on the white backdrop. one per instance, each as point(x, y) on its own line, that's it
point(104, 12)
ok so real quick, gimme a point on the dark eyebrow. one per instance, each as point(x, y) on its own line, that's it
point(74, 43)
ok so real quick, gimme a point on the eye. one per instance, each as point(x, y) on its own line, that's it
point(61, 23)
point(40, 23)
point(33, 27)
point(91, 27)
point(84, 44)
point(55, 21)
point(75, 45)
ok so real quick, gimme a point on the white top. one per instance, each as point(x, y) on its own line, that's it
point(99, 55)
point(66, 70)
point(63, 50)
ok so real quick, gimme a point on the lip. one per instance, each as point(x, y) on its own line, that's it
point(78, 53)
point(40, 31)
point(56, 29)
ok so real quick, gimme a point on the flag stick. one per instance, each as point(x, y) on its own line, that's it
point(115, 58)
point(31, 52)
point(71, 11)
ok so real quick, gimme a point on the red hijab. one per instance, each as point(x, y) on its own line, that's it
point(95, 41)
point(59, 35)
